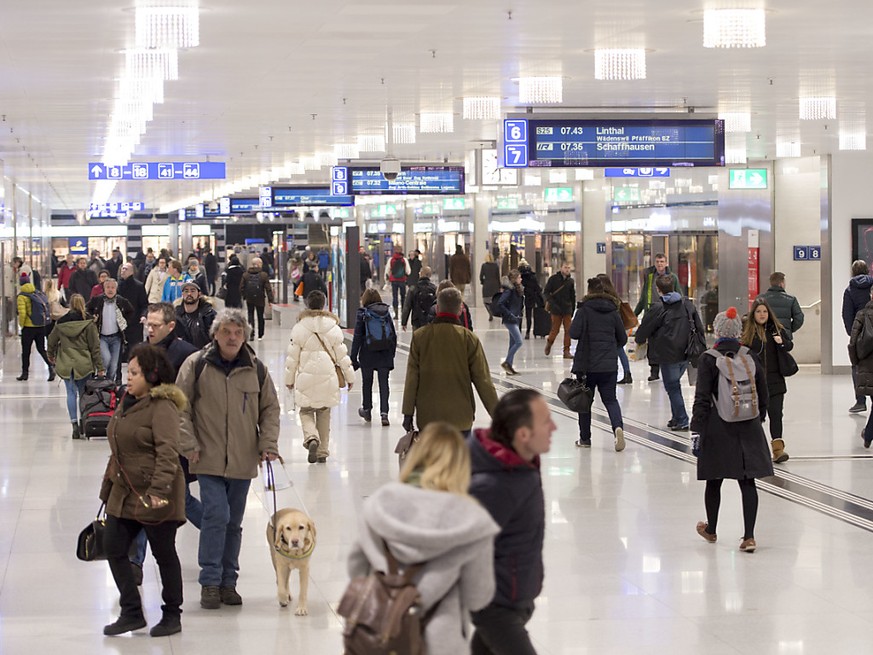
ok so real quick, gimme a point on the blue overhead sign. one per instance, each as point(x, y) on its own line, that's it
point(637, 172)
point(117, 207)
point(424, 180)
point(79, 246)
point(339, 180)
point(515, 154)
point(309, 196)
point(204, 170)
point(244, 205)
point(807, 253)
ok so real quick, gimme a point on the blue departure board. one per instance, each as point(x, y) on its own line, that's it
point(424, 180)
point(601, 143)
point(309, 196)
point(245, 205)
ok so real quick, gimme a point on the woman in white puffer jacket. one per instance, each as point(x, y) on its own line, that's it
point(316, 348)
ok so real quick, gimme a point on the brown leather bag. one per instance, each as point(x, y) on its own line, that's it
point(340, 378)
point(628, 318)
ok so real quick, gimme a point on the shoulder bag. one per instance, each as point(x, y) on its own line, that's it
point(340, 378)
point(576, 395)
point(787, 363)
point(628, 318)
point(696, 341)
point(89, 545)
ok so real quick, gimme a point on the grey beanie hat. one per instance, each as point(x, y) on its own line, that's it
point(727, 324)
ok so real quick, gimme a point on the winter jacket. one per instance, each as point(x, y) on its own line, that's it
point(64, 274)
point(312, 281)
point(533, 294)
point(210, 263)
point(459, 269)
point(465, 318)
point(511, 489)
point(598, 328)
point(414, 271)
point(415, 297)
point(134, 292)
point(264, 293)
point(123, 310)
point(173, 287)
point(366, 272)
point(458, 566)
point(361, 355)
point(231, 279)
point(864, 379)
point(444, 361)
point(489, 278)
point(650, 294)
point(323, 260)
point(194, 326)
point(768, 356)
point(666, 327)
point(144, 442)
point(786, 308)
point(309, 368)
point(855, 298)
point(82, 282)
point(560, 294)
point(511, 306)
point(728, 450)
point(155, 282)
point(74, 347)
point(147, 267)
point(232, 419)
point(396, 260)
point(177, 349)
point(25, 305)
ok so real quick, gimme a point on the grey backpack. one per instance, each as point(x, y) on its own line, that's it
point(737, 398)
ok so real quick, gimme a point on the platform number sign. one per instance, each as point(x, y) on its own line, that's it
point(515, 154)
point(339, 181)
point(807, 253)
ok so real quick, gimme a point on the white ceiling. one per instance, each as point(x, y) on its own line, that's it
point(246, 95)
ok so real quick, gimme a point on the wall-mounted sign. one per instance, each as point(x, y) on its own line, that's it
point(747, 178)
point(601, 247)
point(424, 180)
point(626, 195)
point(309, 196)
point(265, 194)
point(573, 142)
point(641, 171)
point(79, 246)
point(117, 207)
point(204, 170)
point(507, 203)
point(558, 194)
point(807, 253)
point(224, 206)
point(454, 204)
point(245, 205)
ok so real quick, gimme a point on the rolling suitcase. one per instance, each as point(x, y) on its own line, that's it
point(96, 406)
point(542, 322)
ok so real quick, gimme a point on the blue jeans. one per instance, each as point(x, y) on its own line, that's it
point(515, 341)
point(110, 351)
point(224, 503)
point(671, 374)
point(625, 364)
point(398, 289)
point(605, 385)
point(75, 389)
point(367, 387)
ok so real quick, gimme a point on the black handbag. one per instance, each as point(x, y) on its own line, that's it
point(89, 546)
point(787, 363)
point(576, 395)
point(696, 341)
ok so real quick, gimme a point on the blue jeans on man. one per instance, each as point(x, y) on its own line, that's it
point(110, 351)
point(398, 295)
point(671, 374)
point(604, 383)
point(224, 504)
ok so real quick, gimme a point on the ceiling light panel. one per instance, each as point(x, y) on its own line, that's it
point(482, 108)
point(736, 121)
point(620, 64)
point(167, 23)
point(540, 90)
point(404, 133)
point(818, 108)
point(152, 64)
point(437, 122)
point(734, 28)
point(371, 143)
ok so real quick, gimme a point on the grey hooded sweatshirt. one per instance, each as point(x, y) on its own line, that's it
point(451, 534)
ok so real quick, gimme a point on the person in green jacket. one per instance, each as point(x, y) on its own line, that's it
point(649, 296)
point(74, 350)
point(784, 305)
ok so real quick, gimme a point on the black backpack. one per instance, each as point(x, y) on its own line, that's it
point(424, 300)
point(496, 309)
point(253, 287)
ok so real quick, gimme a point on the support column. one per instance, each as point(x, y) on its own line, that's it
point(173, 228)
point(481, 244)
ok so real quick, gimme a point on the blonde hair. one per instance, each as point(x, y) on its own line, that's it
point(51, 291)
point(442, 458)
point(77, 304)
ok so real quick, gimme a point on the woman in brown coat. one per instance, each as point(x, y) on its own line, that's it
point(144, 488)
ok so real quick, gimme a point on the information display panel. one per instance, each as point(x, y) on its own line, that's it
point(424, 180)
point(309, 197)
point(245, 205)
point(601, 143)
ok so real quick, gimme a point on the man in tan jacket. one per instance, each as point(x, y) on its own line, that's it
point(231, 423)
point(445, 362)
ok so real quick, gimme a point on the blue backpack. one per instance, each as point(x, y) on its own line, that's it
point(40, 315)
point(379, 330)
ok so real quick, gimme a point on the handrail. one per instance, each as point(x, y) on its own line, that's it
point(810, 306)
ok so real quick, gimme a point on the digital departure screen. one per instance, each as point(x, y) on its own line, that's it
point(601, 143)
point(245, 205)
point(309, 196)
point(425, 180)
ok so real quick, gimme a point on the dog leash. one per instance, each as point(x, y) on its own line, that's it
point(271, 484)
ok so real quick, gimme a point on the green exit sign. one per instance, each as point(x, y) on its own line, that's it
point(507, 203)
point(558, 194)
point(454, 203)
point(748, 178)
point(627, 195)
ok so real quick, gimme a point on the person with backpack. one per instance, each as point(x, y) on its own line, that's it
point(419, 300)
point(257, 292)
point(397, 271)
point(310, 282)
point(316, 367)
point(373, 349)
point(465, 317)
point(649, 295)
point(666, 326)
point(34, 316)
point(509, 308)
point(452, 575)
point(323, 263)
point(74, 351)
point(730, 403)
point(769, 341)
point(855, 297)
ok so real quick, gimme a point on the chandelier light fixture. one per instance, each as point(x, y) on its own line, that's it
point(437, 122)
point(346, 151)
point(403, 132)
point(167, 23)
point(734, 28)
point(371, 143)
point(160, 64)
point(735, 149)
point(816, 108)
point(482, 108)
point(540, 90)
point(620, 64)
point(853, 139)
point(736, 121)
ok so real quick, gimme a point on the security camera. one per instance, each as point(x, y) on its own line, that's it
point(390, 168)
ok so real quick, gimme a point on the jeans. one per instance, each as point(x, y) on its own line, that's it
point(315, 423)
point(110, 351)
point(224, 504)
point(671, 375)
point(625, 364)
point(515, 341)
point(116, 541)
point(398, 289)
point(500, 630)
point(29, 336)
point(260, 310)
point(75, 389)
point(557, 321)
point(367, 381)
point(605, 385)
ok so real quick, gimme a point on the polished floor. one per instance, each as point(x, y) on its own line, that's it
point(625, 570)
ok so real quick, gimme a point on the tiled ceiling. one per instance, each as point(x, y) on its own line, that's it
point(248, 93)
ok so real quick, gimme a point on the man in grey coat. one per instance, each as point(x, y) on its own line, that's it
point(784, 305)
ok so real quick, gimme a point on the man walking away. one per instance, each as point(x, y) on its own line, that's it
point(397, 272)
point(134, 292)
point(257, 292)
point(210, 263)
point(507, 482)
point(560, 295)
point(855, 298)
point(649, 294)
point(784, 305)
point(460, 269)
point(419, 300)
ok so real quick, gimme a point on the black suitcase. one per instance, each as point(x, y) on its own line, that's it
point(96, 406)
point(542, 322)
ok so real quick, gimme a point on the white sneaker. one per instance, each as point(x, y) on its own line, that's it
point(619, 440)
point(260, 338)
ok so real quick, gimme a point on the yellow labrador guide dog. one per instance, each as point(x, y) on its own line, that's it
point(291, 544)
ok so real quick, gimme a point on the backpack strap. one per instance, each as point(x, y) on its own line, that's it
point(200, 364)
point(745, 357)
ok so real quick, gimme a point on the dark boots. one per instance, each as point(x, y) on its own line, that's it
point(22, 377)
point(52, 374)
point(76, 433)
point(627, 379)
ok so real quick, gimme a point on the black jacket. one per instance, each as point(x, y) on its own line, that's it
point(768, 356)
point(511, 306)
point(489, 277)
point(210, 263)
point(143, 271)
point(361, 355)
point(95, 308)
point(411, 304)
point(511, 489)
point(414, 271)
point(855, 298)
point(312, 281)
point(265, 289)
point(134, 292)
point(231, 279)
point(598, 328)
point(533, 294)
point(178, 350)
point(666, 327)
point(194, 327)
point(864, 379)
point(82, 282)
point(560, 294)
point(728, 450)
